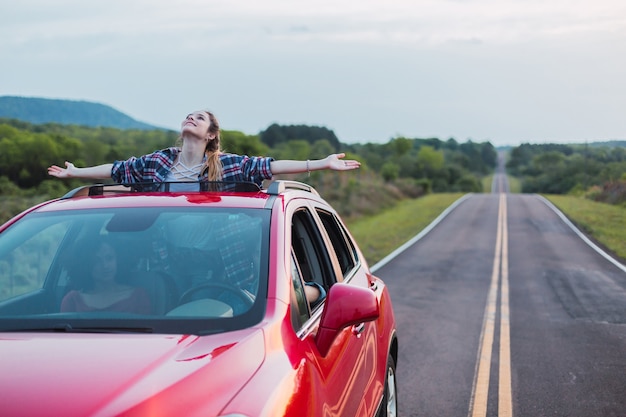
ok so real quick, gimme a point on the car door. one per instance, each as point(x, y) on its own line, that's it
point(345, 376)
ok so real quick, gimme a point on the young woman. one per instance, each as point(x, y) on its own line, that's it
point(98, 288)
point(199, 158)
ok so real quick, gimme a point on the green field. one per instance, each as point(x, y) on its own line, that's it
point(603, 223)
point(379, 235)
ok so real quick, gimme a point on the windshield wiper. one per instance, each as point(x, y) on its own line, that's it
point(68, 328)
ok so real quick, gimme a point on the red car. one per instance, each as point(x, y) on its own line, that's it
point(233, 301)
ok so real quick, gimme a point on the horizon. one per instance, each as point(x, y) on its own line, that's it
point(507, 72)
point(502, 146)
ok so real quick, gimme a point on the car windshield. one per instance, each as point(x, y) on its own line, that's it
point(169, 270)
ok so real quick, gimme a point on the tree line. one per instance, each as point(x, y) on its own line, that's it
point(26, 150)
point(400, 168)
point(597, 171)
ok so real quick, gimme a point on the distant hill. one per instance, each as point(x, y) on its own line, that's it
point(42, 110)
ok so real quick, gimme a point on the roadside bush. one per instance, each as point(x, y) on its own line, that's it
point(468, 184)
point(7, 187)
point(390, 171)
point(412, 188)
point(612, 192)
point(53, 188)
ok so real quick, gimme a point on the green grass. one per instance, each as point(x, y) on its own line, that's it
point(603, 223)
point(379, 235)
point(515, 185)
point(486, 183)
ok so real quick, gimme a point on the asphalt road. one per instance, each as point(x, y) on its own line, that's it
point(503, 310)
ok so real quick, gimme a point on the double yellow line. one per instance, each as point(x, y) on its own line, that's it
point(499, 278)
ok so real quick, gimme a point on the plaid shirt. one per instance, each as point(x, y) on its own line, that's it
point(154, 167)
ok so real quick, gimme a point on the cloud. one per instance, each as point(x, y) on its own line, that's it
point(431, 21)
point(498, 69)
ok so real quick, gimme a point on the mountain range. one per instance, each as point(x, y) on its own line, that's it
point(43, 110)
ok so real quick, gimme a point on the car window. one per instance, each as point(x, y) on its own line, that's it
point(342, 245)
point(178, 266)
point(26, 256)
point(310, 251)
point(299, 306)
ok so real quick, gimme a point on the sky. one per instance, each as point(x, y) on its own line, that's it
point(503, 71)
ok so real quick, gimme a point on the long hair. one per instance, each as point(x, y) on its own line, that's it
point(213, 166)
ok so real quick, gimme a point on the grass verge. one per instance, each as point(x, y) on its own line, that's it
point(604, 223)
point(379, 235)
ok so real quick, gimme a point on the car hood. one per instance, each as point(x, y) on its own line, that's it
point(108, 375)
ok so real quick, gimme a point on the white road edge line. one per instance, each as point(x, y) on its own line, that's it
point(420, 235)
point(581, 234)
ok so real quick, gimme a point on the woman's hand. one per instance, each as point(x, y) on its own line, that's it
point(57, 171)
point(70, 171)
point(335, 162)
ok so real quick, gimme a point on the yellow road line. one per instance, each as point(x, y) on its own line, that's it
point(480, 390)
point(505, 406)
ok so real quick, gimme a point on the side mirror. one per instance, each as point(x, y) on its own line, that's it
point(346, 305)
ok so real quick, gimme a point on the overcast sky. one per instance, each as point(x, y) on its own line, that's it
point(504, 71)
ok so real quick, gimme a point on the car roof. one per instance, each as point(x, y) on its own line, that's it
point(116, 196)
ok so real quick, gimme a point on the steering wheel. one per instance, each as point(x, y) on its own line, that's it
point(243, 296)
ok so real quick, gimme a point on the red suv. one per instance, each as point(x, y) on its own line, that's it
point(232, 301)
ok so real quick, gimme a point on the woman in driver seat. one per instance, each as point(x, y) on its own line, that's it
point(98, 288)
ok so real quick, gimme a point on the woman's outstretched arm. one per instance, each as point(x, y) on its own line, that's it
point(70, 171)
point(334, 162)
